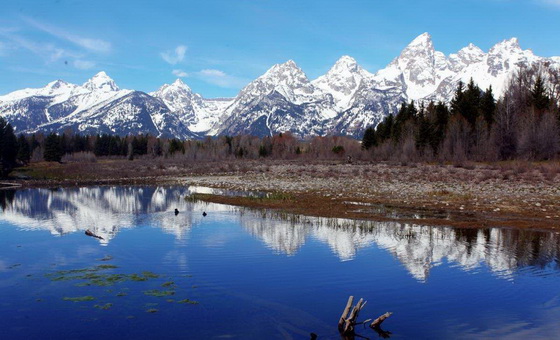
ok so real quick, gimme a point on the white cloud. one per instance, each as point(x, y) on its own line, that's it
point(554, 3)
point(180, 73)
point(220, 78)
point(49, 52)
point(175, 56)
point(90, 44)
point(83, 64)
point(213, 73)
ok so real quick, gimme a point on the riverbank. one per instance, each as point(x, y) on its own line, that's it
point(521, 195)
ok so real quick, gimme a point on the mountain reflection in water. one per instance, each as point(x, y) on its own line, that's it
point(108, 210)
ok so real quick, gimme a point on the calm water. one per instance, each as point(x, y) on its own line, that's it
point(257, 274)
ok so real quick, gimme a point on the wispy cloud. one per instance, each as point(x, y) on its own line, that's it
point(90, 44)
point(180, 73)
point(83, 64)
point(49, 52)
point(553, 3)
point(220, 78)
point(3, 49)
point(174, 56)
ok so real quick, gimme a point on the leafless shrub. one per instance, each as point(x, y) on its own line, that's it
point(80, 157)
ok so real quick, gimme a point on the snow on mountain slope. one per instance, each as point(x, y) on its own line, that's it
point(280, 100)
point(345, 101)
point(197, 113)
point(133, 113)
point(342, 81)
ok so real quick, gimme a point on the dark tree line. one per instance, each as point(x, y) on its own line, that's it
point(523, 124)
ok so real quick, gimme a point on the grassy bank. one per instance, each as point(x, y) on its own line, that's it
point(510, 194)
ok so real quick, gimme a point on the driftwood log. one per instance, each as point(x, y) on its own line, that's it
point(377, 322)
point(90, 233)
point(349, 318)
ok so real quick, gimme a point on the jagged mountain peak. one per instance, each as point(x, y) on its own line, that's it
point(56, 84)
point(423, 40)
point(345, 64)
point(470, 54)
point(288, 68)
point(180, 83)
point(177, 86)
point(508, 45)
point(101, 81)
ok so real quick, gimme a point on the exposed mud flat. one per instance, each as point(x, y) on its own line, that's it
point(511, 194)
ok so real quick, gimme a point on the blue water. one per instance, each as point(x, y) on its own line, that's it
point(259, 274)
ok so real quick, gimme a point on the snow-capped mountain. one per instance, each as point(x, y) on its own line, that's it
point(196, 113)
point(344, 101)
point(282, 99)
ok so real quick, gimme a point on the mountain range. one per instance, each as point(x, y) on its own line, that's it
point(344, 101)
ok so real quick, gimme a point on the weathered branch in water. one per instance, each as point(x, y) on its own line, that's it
point(377, 322)
point(90, 233)
point(342, 320)
point(348, 320)
point(346, 324)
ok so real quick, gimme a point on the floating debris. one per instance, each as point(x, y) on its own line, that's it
point(90, 233)
point(188, 301)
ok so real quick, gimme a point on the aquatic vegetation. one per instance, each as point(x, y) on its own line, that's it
point(188, 301)
point(121, 294)
point(168, 284)
point(152, 310)
point(106, 306)
point(106, 266)
point(79, 298)
point(92, 277)
point(159, 293)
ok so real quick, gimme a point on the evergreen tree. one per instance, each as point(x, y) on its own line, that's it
point(53, 150)
point(8, 148)
point(176, 145)
point(24, 150)
point(425, 132)
point(369, 138)
point(488, 106)
point(539, 95)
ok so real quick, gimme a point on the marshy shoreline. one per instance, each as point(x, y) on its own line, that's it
point(475, 195)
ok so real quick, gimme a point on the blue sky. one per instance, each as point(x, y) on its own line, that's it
point(217, 47)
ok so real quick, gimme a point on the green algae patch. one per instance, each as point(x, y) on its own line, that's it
point(106, 306)
point(96, 276)
point(150, 275)
point(106, 266)
point(168, 284)
point(79, 298)
point(159, 293)
point(152, 310)
point(121, 294)
point(187, 301)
